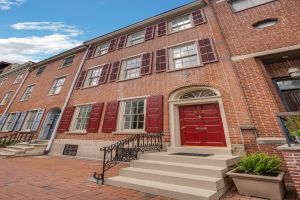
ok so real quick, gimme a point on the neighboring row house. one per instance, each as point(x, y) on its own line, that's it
point(211, 74)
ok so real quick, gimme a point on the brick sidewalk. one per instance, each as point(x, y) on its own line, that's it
point(59, 178)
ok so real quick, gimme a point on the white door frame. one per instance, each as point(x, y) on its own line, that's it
point(175, 102)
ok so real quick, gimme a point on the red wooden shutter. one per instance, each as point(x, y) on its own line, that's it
point(110, 117)
point(161, 60)
point(122, 41)
point(115, 70)
point(198, 17)
point(80, 80)
point(95, 117)
point(149, 33)
point(207, 51)
point(91, 52)
point(161, 29)
point(66, 120)
point(146, 67)
point(113, 45)
point(104, 74)
point(154, 115)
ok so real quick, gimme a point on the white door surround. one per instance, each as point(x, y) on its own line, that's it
point(193, 96)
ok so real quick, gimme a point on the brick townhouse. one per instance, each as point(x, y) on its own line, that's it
point(39, 100)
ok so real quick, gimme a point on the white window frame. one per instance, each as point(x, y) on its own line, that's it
point(170, 23)
point(171, 64)
point(131, 41)
point(69, 64)
point(75, 116)
point(89, 76)
point(26, 123)
point(253, 3)
point(18, 79)
point(27, 93)
point(6, 98)
point(54, 86)
point(9, 121)
point(2, 81)
point(102, 49)
point(38, 69)
point(121, 116)
point(124, 70)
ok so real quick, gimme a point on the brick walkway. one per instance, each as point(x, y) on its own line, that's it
point(59, 178)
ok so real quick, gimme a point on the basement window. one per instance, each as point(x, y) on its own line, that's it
point(70, 150)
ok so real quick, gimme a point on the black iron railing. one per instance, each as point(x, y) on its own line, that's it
point(127, 150)
point(15, 138)
point(282, 118)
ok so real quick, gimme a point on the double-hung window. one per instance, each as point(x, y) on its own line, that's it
point(81, 118)
point(10, 122)
point(68, 61)
point(93, 77)
point(131, 68)
point(102, 49)
point(40, 70)
point(18, 79)
point(2, 82)
point(184, 56)
point(133, 115)
point(29, 120)
point(180, 23)
point(136, 38)
point(238, 5)
point(27, 93)
point(6, 97)
point(57, 86)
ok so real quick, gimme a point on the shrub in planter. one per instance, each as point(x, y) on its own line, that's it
point(293, 125)
point(259, 175)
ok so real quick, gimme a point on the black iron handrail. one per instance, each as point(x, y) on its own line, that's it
point(15, 138)
point(282, 120)
point(127, 150)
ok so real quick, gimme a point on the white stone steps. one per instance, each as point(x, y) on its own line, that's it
point(164, 189)
point(215, 160)
point(21, 147)
point(206, 150)
point(12, 150)
point(204, 170)
point(203, 182)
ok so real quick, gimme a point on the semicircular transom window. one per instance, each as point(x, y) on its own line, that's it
point(265, 23)
point(202, 93)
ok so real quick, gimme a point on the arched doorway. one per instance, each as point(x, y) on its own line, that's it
point(49, 124)
point(197, 118)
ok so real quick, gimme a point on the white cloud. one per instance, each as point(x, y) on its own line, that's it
point(7, 4)
point(49, 26)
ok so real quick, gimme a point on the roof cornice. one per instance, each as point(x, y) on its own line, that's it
point(148, 21)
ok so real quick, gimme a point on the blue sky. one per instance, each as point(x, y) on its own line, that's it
point(36, 29)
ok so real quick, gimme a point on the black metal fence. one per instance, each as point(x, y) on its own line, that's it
point(15, 138)
point(127, 150)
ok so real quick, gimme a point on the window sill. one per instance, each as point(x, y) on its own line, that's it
point(129, 132)
point(63, 67)
point(174, 70)
point(87, 87)
point(53, 94)
point(122, 80)
point(76, 133)
point(235, 12)
point(171, 33)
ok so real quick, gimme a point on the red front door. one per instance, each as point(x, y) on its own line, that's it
point(201, 125)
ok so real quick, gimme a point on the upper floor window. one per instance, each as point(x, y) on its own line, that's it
point(184, 56)
point(68, 61)
point(6, 97)
point(18, 79)
point(136, 38)
point(40, 70)
point(131, 68)
point(2, 81)
point(81, 118)
point(102, 49)
point(181, 23)
point(133, 115)
point(27, 93)
point(28, 122)
point(93, 76)
point(57, 86)
point(238, 5)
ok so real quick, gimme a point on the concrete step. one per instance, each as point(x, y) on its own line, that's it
point(21, 147)
point(196, 181)
point(204, 170)
point(38, 144)
point(214, 160)
point(6, 154)
point(201, 150)
point(12, 150)
point(41, 141)
point(164, 189)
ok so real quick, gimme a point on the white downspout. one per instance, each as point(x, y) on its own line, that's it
point(66, 102)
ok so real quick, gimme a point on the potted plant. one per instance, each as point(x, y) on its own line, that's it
point(259, 175)
point(293, 125)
